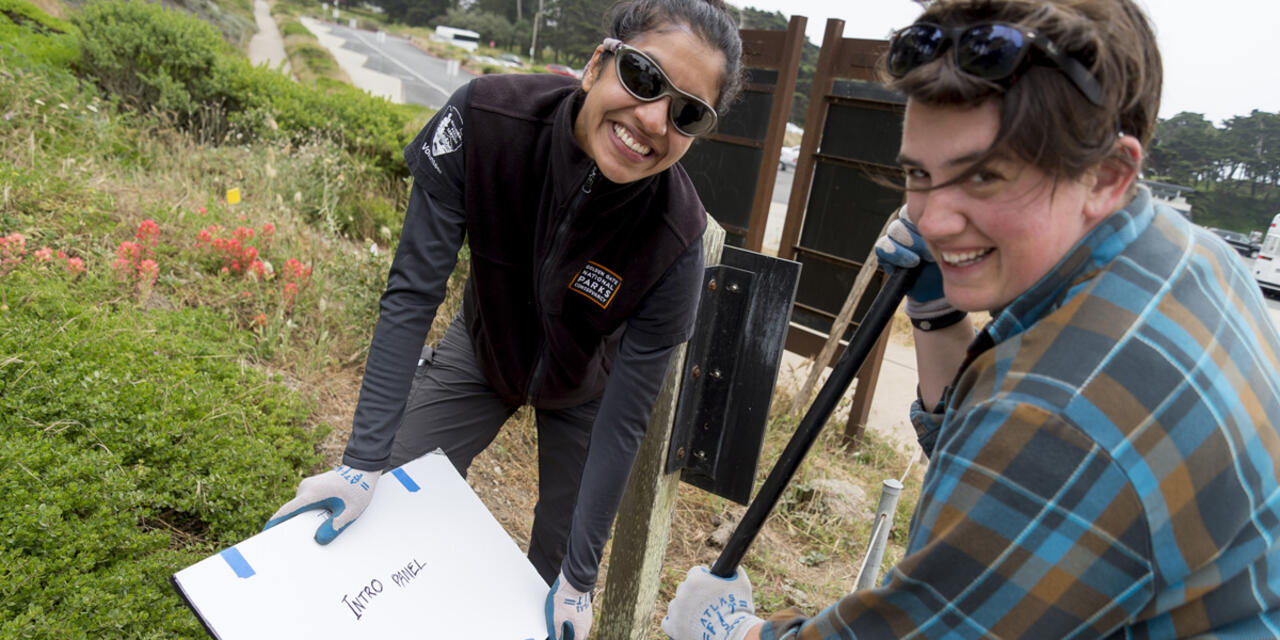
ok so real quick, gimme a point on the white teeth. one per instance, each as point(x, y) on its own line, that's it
point(963, 258)
point(631, 143)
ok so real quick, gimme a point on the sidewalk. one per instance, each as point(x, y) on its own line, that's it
point(373, 82)
point(891, 404)
point(266, 46)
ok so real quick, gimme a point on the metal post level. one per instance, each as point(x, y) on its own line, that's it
point(860, 346)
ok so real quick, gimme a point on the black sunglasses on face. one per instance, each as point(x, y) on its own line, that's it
point(991, 51)
point(641, 76)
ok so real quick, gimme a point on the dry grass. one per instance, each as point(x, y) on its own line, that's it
point(807, 554)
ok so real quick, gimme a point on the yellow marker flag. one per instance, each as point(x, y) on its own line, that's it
point(233, 196)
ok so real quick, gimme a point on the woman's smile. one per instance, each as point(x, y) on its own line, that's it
point(629, 142)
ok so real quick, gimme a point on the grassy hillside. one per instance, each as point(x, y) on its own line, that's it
point(173, 361)
point(165, 354)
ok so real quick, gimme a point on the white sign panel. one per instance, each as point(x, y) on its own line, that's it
point(425, 560)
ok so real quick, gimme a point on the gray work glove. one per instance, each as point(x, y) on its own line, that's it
point(344, 491)
point(568, 611)
point(708, 607)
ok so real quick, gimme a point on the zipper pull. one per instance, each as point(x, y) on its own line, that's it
point(591, 179)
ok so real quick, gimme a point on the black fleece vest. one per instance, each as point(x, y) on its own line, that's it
point(560, 256)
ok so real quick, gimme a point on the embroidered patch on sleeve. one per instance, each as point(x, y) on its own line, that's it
point(597, 283)
point(447, 137)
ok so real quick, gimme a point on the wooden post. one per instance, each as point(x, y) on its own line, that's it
point(642, 530)
point(788, 70)
point(814, 119)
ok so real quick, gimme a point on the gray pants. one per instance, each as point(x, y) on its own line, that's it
point(452, 406)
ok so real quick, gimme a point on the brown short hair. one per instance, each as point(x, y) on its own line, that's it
point(1044, 119)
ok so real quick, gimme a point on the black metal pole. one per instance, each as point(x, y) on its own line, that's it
point(860, 345)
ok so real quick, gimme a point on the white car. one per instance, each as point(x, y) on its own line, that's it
point(511, 60)
point(788, 158)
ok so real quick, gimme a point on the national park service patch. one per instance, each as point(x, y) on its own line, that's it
point(447, 137)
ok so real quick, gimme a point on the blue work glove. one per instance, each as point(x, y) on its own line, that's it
point(344, 491)
point(568, 611)
point(903, 248)
point(708, 607)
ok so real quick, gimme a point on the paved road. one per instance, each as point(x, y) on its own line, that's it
point(782, 186)
point(389, 65)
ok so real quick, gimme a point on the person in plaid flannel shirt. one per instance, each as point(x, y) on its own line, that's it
point(1103, 455)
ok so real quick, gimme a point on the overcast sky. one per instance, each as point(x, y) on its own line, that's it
point(1220, 56)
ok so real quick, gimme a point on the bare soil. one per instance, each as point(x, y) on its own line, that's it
point(805, 556)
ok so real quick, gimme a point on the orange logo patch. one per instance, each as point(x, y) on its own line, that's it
point(597, 283)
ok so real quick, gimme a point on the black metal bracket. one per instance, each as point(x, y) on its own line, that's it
point(731, 371)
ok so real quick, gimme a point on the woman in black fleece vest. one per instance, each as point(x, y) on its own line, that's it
point(586, 265)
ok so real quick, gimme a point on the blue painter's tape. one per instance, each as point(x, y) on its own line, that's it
point(237, 562)
point(405, 480)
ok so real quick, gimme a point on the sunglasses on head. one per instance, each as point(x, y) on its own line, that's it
point(991, 51)
point(641, 76)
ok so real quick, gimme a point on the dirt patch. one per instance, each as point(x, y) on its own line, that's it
point(334, 394)
point(807, 554)
point(54, 8)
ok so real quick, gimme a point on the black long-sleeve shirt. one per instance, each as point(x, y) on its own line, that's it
point(433, 232)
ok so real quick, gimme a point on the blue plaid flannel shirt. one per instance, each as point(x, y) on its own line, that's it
point(1105, 465)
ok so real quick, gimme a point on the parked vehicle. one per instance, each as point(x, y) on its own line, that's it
point(1238, 241)
point(564, 71)
point(1266, 268)
point(788, 158)
point(488, 60)
point(511, 60)
point(464, 38)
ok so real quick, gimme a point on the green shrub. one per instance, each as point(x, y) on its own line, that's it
point(138, 442)
point(294, 28)
point(367, 126)
point(312, 56)
point(149, 56)
point(153, 58)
